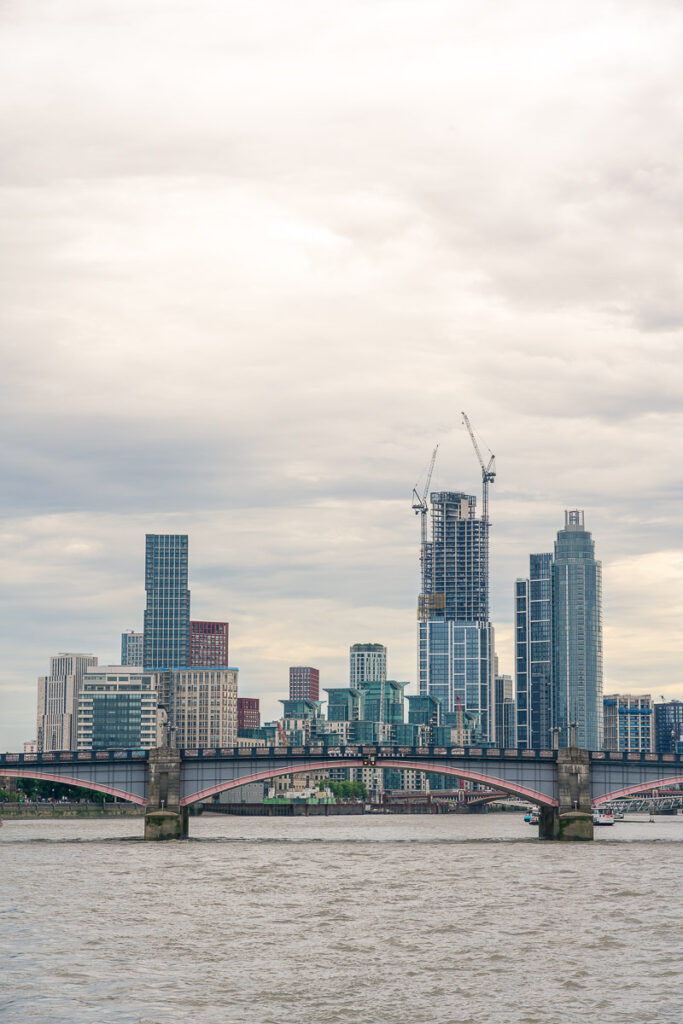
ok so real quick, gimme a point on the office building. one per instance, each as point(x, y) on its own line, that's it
point(367, 664)
point(668, 726)
point(209, 644)
point(117, 708)
point(628, 722)
point(455, 637)
point(304, 683)
point(58, 695)
point(533, 654)
point(166, 641)
point(131, 648)
point(248, 713)
point(201, 705)
point(343, 704)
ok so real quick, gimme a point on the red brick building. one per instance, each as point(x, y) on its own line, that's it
point(209, 644)
point(304, 683)
point(248, 713)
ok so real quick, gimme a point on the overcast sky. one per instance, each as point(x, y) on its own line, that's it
point(257, 256)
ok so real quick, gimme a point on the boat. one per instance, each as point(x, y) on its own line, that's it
point(531, 818)
point(601, 817)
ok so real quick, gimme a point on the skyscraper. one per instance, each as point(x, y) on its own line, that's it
point(304, 683)
point(533, 653)
point(367, 664)
point(558, 642)
point(166, 642)
point(455, 637)
point(577, 635)
point(209, 644)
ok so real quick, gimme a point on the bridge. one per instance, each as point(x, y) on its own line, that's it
point(565, 784)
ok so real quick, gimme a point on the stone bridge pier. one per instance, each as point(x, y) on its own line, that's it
point(164, 817)
point(572, 819)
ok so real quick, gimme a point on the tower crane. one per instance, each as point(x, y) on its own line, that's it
point(488, 471)
point(421, 507)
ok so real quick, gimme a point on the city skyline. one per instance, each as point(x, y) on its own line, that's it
point(251, 322)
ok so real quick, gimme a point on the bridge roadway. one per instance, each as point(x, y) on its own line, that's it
point(565, 783)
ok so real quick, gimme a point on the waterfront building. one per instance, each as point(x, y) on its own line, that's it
point(201, 705)
point(668, 726)
point(209, 644)
point(304, 682)
point(382, 701)
point(131, 648)
point(533, 654)
point(117, 707)
point(423, 709)
point(506, 731)
point(367, 664)
point(343, 704)
point(577, 635)
point(558, 643)
point(628, 722)
point(30, 746)
point(300, 720)
point(166, 640)
point(248, 713)
point(455, 637)
point(58, 694)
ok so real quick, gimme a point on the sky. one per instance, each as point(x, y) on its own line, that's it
point(256, 259)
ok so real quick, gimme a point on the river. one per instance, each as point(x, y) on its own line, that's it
point(447, 919)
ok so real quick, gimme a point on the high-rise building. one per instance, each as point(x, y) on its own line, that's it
point(58, 695)
point(558, 643)
point(201, 705)
point(455, 637)
point(304, 683)
point(367, 664)
point(166, 642)
point(506, 730)
point(668, 726)
point(248, 713)
point(117, 707)
point(131, 648)
point(209, 643)
point(628, 722)
point(577, 635)
point(533, 654)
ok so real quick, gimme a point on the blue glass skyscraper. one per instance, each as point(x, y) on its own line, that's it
point(577, 635)
point(558, 642)
point(533, 653)
point(166, 634)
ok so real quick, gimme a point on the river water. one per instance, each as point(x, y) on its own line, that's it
point(446, 919)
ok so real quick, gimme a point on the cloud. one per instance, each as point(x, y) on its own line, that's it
point(255, 264)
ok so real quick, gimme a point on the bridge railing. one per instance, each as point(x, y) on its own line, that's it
point(638, 756)
point(71, 756)
point(364, 750)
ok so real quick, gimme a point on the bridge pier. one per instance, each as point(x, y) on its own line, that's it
point(572, 821)
point(164, 817)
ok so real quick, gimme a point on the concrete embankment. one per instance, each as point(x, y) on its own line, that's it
point(70, 810)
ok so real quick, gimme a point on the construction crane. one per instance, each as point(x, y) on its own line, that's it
point(488, 471)
point(421, 507)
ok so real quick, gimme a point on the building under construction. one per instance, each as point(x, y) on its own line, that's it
point(455, 637)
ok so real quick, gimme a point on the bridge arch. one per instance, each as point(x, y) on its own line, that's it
point(67, 780)
point(639, 787)
point(385, 762)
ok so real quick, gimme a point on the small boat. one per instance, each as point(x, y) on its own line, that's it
point(531, 818)
point(601, 817)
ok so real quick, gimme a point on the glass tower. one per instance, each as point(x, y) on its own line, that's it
point(533, 654)
point(455, 638)
point(166, 635)
point(577, 635)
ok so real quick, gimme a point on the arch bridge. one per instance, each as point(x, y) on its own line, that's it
point(566, 784)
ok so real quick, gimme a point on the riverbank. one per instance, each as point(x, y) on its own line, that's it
point(31, 809)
